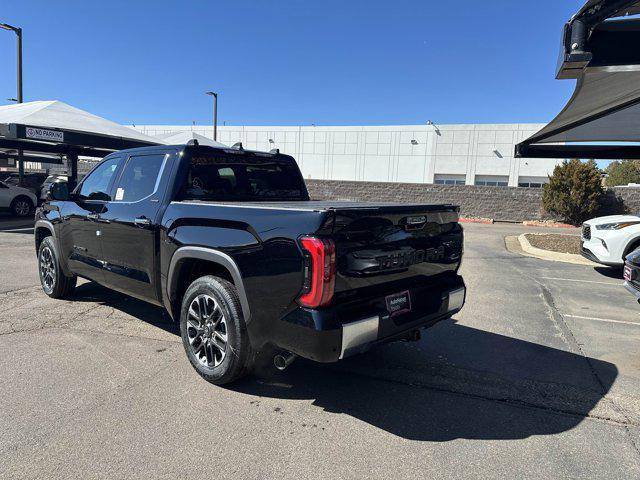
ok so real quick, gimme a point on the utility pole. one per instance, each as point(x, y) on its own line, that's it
point(215, 114)
point(18, 32)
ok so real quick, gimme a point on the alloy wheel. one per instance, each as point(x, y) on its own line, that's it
point(207, 331)
point(47, 270)
point(22, 208)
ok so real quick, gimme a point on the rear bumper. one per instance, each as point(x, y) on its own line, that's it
point(313, 334)
point(632, 272)
point(633, 290)
point(361, 334)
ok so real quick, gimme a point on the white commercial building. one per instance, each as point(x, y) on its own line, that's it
point(473, 154)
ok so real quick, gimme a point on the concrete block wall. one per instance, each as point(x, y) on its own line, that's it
point(621, 200)
point(498, 203)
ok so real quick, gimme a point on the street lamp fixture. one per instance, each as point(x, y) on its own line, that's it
point(215, 114)
point(18, 32)
point(435, 127)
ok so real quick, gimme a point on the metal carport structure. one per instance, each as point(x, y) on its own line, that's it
point(602, 118)
point(45, 131)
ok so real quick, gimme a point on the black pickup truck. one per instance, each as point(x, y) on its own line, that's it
point(228, 241)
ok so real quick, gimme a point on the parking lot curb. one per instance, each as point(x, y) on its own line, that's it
point(552, 256)
point(486, 221)
point(535, 223)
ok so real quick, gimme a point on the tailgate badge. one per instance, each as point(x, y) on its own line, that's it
point(415, 223)
point(416, 220)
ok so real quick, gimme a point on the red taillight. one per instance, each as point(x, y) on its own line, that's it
point(319, 271)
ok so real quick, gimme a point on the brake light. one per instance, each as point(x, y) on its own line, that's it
point(319, 271)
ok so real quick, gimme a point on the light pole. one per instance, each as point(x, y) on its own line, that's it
point(215, 114)
point(18, 32)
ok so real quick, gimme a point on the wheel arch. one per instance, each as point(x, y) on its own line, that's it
point(188, 263)
point(43, 229)
point(25, 196)
point(633, 244)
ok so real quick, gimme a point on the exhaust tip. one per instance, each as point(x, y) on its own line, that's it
point(283, 360)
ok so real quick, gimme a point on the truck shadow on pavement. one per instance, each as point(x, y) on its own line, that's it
point(457, 382)
point(461, 383)
point(148, 313)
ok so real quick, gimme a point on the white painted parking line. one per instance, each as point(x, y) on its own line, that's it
point(583, 281)
point(607, 320)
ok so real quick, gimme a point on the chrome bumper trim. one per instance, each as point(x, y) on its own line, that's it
point(633, 290)
point(456, 298)
point(358, 333)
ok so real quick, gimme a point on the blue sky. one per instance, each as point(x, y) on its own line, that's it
point(292, 62)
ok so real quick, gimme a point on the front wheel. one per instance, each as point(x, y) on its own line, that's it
point(53, 280)
point(213, 331)
point(21, 206)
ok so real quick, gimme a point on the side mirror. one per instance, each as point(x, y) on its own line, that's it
point(58, 191)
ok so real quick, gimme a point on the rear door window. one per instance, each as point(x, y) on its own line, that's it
point(140, 178)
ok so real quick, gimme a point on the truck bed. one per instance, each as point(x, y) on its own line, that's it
point(326, 205)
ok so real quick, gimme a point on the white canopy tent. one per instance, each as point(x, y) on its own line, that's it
point(181, 138)
point(33, 129)
point(55, 114)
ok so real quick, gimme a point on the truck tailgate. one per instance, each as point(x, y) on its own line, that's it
point(394, 244)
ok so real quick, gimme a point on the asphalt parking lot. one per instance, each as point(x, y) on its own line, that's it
point(538, 377)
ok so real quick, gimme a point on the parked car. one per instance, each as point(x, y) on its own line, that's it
point(608, 240)
point(19, 201)
point(632, 273)
point(32, 181)
point(229, 242)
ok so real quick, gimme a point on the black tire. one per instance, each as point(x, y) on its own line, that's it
point(203, 331)
point(52, 279)
point(21, 206)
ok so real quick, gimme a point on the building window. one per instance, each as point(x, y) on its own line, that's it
point(491, 181)
point(532, 182)
point(449, 179)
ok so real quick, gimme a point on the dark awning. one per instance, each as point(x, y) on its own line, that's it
point(605, 106)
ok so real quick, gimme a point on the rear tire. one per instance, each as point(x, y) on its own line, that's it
point(213, 331)
point(21, 206)
point(53, 280)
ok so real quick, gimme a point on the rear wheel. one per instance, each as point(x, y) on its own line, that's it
point(21, 206)
point(53, 280)
point(213, 331)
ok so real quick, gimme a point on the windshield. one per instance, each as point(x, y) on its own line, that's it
point(232, 177)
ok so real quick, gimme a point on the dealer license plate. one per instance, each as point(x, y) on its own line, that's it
point(627, 273)
point(399, 303)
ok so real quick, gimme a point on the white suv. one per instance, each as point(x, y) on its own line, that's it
point(18, 200)
point(608, 240)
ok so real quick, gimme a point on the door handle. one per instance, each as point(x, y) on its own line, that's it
point(142, 221)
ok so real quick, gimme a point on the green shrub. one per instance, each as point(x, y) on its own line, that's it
point(623, 173)
point(574, 190)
